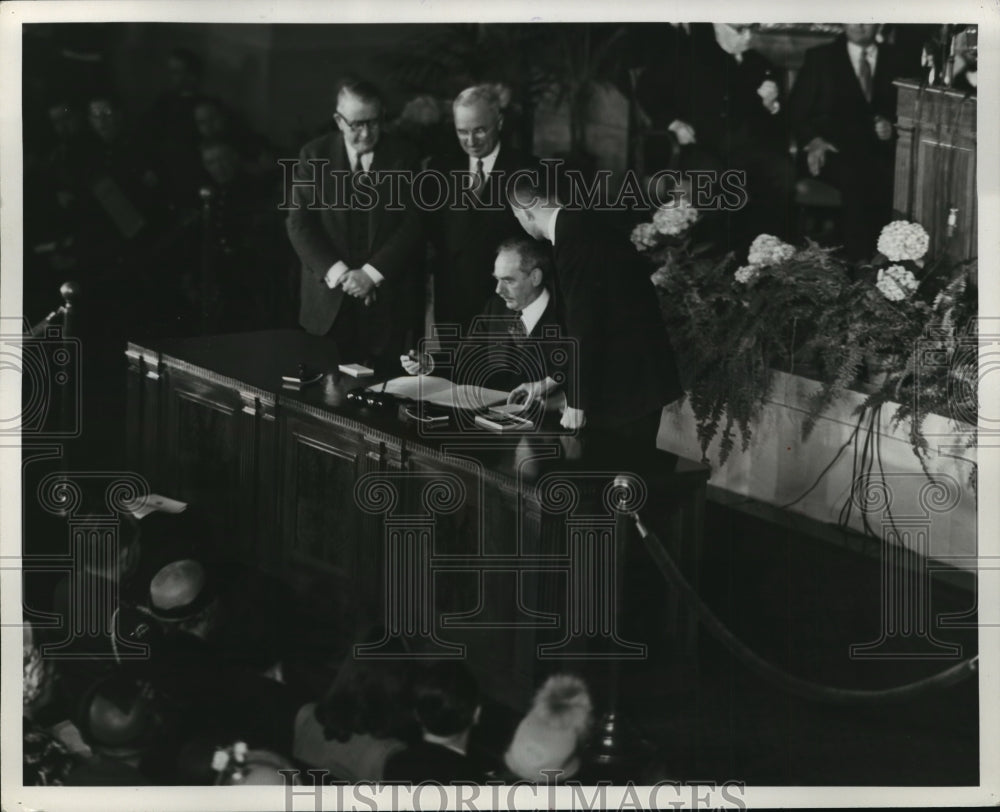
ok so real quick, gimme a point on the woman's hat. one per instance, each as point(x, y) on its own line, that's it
point(117, 716)
point(180, 591)
point(549, 736)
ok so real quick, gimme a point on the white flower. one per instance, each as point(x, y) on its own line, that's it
point(644, 236)
point(769, 250)
point(901, 240)
point(674, 220)
point(659, 276)
point(896, 283)
point(747, 274)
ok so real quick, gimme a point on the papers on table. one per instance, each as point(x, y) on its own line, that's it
point(442, 392)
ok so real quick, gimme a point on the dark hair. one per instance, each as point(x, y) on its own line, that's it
point(129, 697)
point(528, 187)
point(367, 696)
point(446, 695)
point(360, 88)
point(532, 254)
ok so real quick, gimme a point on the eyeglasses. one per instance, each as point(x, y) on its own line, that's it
point(358, 126)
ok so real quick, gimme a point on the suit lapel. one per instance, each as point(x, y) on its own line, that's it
point(339, 164)
point(379, 161)
point(849, 78)
point(547, 318)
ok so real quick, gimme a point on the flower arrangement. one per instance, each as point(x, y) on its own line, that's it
point(790, 306)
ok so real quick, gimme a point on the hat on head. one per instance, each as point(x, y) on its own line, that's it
point(549, 735)
point(179, 591)
point(117, 716)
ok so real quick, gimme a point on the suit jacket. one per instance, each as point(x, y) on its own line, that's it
point(320, 235)
point(827, 100)
point(625, 365)
point(427, 761)
point(465, 241)
point(693, 79)
point(490, 355)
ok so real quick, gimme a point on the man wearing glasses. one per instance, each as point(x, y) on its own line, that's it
point(354, 227)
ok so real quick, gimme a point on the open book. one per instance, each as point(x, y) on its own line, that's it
point(442, 392)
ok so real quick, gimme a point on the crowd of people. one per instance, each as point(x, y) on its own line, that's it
point(166, 215)
point(180, 219)
point(170, 218)
point(197, 669)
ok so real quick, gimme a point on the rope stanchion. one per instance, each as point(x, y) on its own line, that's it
point(802, 688)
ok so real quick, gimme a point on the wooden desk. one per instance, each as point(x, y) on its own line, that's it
point(494, 537)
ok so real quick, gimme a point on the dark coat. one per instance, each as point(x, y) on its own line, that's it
point(695, 81)
point(427, 761)
point(513, 360)
point(320, 235)
point(625, 366)
point(827, 100)
point(465, 241)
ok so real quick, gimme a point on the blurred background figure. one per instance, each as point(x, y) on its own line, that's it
point(723, 104)
point(446, 703)
point(843, 109)
point(552, 734)
point(365, 717)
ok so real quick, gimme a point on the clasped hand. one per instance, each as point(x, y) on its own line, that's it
point(357, 283)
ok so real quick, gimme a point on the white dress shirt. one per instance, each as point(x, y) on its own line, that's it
point(339, 268)
point(857, 52)
point(550, 232)
point(488, 162)
point(531, 315)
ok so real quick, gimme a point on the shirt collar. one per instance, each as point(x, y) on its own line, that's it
point(550, 233)
point(532, 314)
point(444, 741)
point(856, 52)
point(488, 160)
point(352, 158)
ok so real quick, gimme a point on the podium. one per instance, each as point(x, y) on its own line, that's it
point(935, 181)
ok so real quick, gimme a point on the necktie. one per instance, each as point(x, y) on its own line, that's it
point(516, 328)
point(357, 224)
point(865, 75)
point(480, 177)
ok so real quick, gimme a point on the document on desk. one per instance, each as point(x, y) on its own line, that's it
point(442, 392)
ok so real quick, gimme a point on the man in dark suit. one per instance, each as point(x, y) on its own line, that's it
point(722, 102)
point(523, 310)
point(843, 107)
point(625, 370)
point(446, 703)
point(357, 240)
point(465, 238)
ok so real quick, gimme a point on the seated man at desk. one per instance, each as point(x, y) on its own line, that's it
point(524, 308)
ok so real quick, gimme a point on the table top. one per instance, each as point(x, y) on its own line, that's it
point(257, 361)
